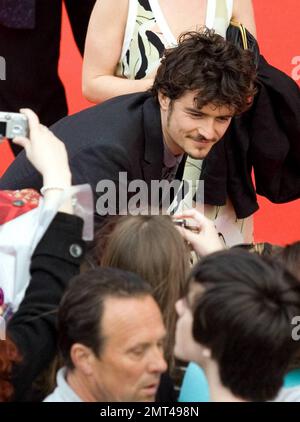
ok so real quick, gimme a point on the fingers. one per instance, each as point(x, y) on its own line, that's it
point(22, 141)
point(199, 218)
point(33, 120)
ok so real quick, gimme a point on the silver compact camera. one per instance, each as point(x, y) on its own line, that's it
point(12, 125)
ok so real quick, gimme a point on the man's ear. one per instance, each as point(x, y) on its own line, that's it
point(206, 353)
point(164, 101)
point(83, 358)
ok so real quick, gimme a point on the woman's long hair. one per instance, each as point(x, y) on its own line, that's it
point(152, 247)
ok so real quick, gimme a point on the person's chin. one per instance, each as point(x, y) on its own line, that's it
point(149, 394)
point(201, 152)
point(198, 155)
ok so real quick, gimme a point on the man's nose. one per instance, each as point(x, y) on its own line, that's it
point(207, 129)
point(158, 363)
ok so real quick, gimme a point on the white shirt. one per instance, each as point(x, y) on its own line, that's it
point(63, 392)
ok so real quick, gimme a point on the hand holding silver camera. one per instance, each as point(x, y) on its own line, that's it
point(186, 225)
point(12, 125)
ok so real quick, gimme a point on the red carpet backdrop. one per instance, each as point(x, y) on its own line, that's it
point(278, 35)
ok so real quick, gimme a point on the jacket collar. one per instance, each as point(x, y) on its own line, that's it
point(154, 147)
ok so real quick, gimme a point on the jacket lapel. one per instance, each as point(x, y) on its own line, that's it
point(153, 153)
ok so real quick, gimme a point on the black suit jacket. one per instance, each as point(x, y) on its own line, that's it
point(121, 135)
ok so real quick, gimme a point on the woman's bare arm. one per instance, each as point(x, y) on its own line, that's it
point(243, 12)
point(103, 49)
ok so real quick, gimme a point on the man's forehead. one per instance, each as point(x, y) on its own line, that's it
point(123, 317)
point(208, 109)
point(191, 99)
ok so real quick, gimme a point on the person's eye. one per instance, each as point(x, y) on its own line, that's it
point(138, 352)
point(196, 115)
point(224, 119)
point(161, 345)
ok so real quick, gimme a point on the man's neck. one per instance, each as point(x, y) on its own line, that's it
point(79, 386)
point(169, 143)
point(172, 148)
point(218, 393)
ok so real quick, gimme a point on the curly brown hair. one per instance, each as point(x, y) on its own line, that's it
point(221, 73)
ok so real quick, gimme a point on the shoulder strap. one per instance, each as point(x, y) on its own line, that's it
point(243, 32)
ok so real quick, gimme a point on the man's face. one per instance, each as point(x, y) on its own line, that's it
point(186, 348)
point(187, 129)
point(131, 362)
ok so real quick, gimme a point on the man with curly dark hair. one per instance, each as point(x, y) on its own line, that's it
point(200, 86)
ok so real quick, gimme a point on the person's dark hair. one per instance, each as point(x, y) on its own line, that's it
point(220, 72)
point(290, 258)
point(80, 312)
point(245, 318)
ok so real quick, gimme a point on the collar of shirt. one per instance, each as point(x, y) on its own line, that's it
point(63, 392)
point(171, 160)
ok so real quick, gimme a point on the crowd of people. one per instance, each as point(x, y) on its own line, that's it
point(120, 318)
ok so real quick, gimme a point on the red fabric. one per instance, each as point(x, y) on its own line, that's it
point(15, 203)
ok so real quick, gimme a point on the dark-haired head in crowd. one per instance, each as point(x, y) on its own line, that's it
point(111, 339)
point(290, 258)
point(236, 322)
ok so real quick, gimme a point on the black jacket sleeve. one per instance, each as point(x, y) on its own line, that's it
point(265, 139)
point(33, 327)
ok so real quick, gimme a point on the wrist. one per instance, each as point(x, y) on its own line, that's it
point(53, 192)
point(59, 179)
